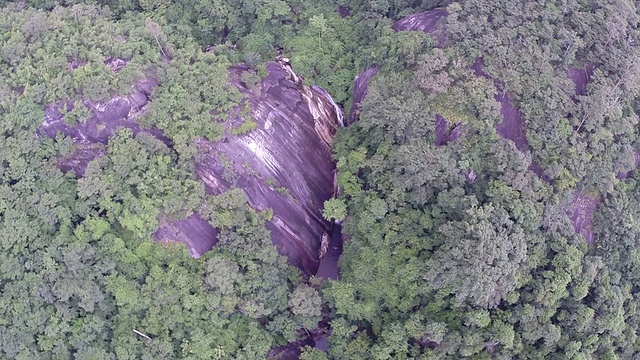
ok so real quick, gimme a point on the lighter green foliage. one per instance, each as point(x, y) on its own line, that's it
point(334, 209)
point(305, 301)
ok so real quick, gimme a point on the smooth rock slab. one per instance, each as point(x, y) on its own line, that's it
point(430, 22)
point(285, 164)
point(360, 88)
point(195, 232)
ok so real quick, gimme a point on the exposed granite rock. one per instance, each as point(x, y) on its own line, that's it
point(446, 132)
point(360, 88)
point(291, 351)
point(284, 164)
point(81, 157)
point(581, 78)
point(343, 11)
point(106, 119)
point(195, 232)
point(328, 268)
point(91, 136)
point(430, 22)
point(512, 126)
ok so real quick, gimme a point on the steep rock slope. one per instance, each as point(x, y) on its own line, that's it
point(283, 164)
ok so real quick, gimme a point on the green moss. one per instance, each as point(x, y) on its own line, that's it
point(247, 126)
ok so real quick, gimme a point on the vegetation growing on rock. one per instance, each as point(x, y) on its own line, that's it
point(487, 180)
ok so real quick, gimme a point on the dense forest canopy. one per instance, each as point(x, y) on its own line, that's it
point(485, 187)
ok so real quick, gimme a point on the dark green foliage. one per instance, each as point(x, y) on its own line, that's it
point(135, 191)
point(79, 274)
point(460, 250)
point(53, 56)
point(454, 251)
point(521, 48)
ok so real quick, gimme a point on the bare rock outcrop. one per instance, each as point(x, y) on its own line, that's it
point(91, 136)
point(360, 88)
point(430, 22)
point(194, 231)
point(512, 127)
point(328, 268)
point(581, 78)
point(284, 164)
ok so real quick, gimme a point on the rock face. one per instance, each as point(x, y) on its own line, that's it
point(360, 87)
point(580, 77)
point(584, 205)
point(428, 22)
point(195, 232)
point(445, 132)
point(119, 112)
point(291, 351)
point(284, 164)
point(512, 126)
point(92, 135)
point(431, 22)
point(328, 268)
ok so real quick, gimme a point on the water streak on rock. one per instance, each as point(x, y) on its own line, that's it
point(285, 163)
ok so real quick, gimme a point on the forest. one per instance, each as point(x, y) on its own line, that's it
point(332, 179)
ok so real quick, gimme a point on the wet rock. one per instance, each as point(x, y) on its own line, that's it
point(343, 11)
point(81, 157)
point(444, 132)
point(322, 342)
point(581, 78)
point(512, 126)
point(441, 130)
point(285, 164)
point(291, 351)
point(430, 22)
point(104, 121)
point(106, 117)
point(115, 64)
point(328, 268)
